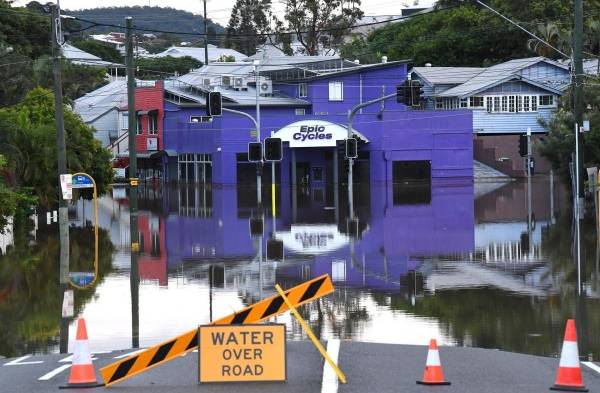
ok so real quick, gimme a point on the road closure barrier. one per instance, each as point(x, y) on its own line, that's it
point(260, 311)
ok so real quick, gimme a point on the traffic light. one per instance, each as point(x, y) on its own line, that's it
point(416, 92)
point(273, 149)
point(400, 98)
point(214, 104)
point(351, 148)
point(256, 226)
point(254, 151)
point(523, 145)
point(274, 249)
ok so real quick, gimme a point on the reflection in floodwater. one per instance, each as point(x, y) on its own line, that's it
point(469, 265)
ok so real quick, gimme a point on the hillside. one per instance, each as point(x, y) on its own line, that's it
point(158, 18)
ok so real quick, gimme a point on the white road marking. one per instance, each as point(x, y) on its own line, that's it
point(592, 366)
point(330, 380)
point(129, 354)
point(54, 372)
point(20, 362)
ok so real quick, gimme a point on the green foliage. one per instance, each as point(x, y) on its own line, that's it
point(12, 199)
point(469, 35)
point(26, 31)
point(30, 147)
point(248, 18)
point(100, 49)
point(162, 67)
point(158, 18)
point(319, 25)
point(559, 144)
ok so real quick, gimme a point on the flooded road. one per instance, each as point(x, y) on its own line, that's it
point(457, 262)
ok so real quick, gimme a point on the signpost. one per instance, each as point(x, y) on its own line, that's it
point(242, 353)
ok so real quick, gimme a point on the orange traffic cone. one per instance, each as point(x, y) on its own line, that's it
point(82, 370)
point(433, 374)
point(568, 377)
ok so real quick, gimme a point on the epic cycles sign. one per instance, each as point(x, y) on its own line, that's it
point(312, 133)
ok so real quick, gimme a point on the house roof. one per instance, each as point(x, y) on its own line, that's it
point(100, 101)
point(447, 75)
point(497, 74)
point(78, 56)
point(214, 53)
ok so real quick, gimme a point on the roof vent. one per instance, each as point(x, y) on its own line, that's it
point(427, 64)
point(356, 61)
point(384, 59)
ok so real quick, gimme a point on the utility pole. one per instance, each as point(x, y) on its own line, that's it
point(205, 37)
point(256, 64)
point(134, 278)
point(529, 192)
point(578, 91)
point(61, 148)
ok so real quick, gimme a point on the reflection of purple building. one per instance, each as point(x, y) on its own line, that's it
point(392, 236)
point(306, 105)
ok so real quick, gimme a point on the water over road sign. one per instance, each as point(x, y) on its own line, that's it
point(242, 353)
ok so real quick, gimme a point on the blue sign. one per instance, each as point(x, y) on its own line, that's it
point(82, 181)
point(82, 278)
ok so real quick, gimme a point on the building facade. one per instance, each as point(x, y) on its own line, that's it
point(506, 100)
point(306, 104)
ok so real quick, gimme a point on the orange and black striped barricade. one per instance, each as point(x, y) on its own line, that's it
point(264, 309)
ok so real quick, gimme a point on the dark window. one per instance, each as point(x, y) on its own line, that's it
point(153, 123)
point(411, 171)
point(140, 129)
point(318, 173)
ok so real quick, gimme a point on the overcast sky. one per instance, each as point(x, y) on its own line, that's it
point(219, 10)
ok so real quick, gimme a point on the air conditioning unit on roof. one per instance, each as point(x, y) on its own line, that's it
point(266, 87)
point(226, 80)
point(240, 82)
point(206, 81)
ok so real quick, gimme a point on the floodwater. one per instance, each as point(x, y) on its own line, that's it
point(458, 262)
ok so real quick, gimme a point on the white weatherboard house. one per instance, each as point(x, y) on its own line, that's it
point(214, 53)
point(506, 100)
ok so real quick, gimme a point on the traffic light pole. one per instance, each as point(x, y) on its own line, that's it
point(529, 206)
point(351, 113)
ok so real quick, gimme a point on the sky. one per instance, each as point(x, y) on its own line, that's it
point(219, 10)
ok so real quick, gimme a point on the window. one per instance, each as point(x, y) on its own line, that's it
point(140, 129)
point(464, 102)
point(300, 111)
point(534, 104)
point(200, 119)
point(526, 106)
point(153, 123)
point(546, 100)
point(302, 90)
point(318, 173)
point(124, 121)
point(336, 91)
point(511, 103)
point(519, 104)
point(447, 103)
point(488, 104)
point(476, 102)
point(504, 103)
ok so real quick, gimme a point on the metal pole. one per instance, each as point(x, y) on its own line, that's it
point(61, 147)
point(576, 198)
point(350, 171)
point(578, 89)
point(258, 164)
point(205, 36)
point(134, 279)
point(529, 207)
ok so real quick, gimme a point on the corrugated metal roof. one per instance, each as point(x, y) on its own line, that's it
point(98, 102)
point(78, 56)
point(447, 75)
point(494, 75)
point(198, 53)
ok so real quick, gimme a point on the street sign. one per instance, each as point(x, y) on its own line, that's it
point(242, 353)
point(66, 186)
point(82, 181)
point(82, 278)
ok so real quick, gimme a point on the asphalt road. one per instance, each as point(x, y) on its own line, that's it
point(368, 368)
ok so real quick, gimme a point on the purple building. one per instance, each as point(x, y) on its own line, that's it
point(305, 101)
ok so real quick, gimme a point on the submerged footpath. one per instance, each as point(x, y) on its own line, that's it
point(368, 367)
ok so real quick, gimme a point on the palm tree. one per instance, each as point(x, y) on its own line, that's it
point(593, 40)
point(552, 34)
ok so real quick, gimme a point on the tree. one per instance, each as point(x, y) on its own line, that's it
point(559, 144)
point(319, 25)
point(249, 18)
point(29, 136)
point(552, 34)
point(11, 198)
point(162, 67)
point(102, 50)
